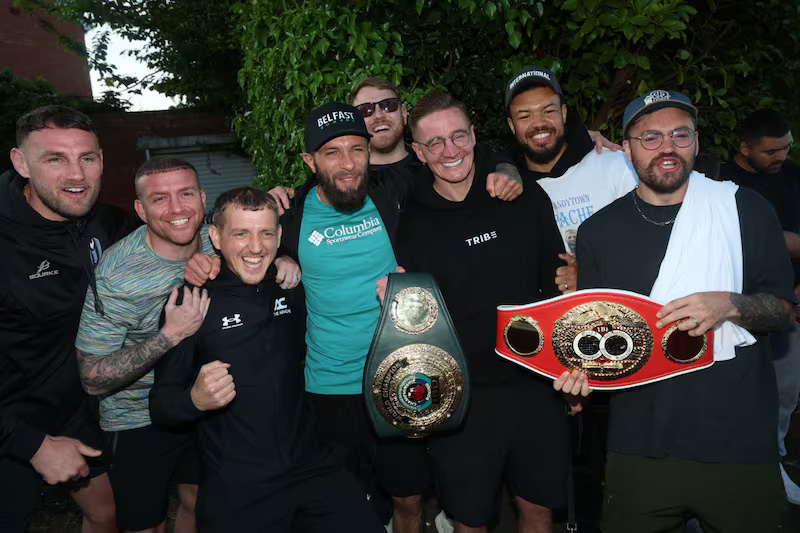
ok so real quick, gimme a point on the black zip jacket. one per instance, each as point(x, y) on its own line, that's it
point(578, 145)
point(45, 271)
point(266, 435)
point(482, 252)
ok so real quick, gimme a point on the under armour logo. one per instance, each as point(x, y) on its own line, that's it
point(234, 322)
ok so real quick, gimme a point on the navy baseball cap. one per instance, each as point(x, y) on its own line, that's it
point(330, 121)
point(653, 101)
point(531, 76)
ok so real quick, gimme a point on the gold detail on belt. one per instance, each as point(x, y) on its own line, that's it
point(414, 310)
point(417, 387)
point(607, 340)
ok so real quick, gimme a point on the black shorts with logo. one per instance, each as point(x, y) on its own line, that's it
point(144, 462)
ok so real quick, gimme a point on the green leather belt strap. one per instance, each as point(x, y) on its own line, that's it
point(415, 378)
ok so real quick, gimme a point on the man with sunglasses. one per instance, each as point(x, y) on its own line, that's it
point(483, 253)
point(701, 444)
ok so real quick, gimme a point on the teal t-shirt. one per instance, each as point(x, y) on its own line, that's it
point(342, 256)
point(133, 283)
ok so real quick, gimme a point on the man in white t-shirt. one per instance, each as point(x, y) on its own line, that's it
point(558, 153)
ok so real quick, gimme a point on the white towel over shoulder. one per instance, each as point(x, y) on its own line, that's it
point(705, 254)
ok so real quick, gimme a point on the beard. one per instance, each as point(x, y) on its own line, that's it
point(348, 200)
point(773, 168)
point(669, 182)
point(544, 155)
point(386, 144)
point(62, 206)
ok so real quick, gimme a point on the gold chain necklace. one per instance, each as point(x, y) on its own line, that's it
point(665, 223)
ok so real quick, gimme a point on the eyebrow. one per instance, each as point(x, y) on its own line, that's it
point(189, 188)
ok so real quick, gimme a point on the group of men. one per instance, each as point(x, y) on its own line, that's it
point(249, 385)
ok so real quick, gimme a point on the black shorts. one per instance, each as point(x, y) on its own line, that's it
point(21, 485)
point(144, 462)
point(329, 501)
point(515, 433)
point(401, 467)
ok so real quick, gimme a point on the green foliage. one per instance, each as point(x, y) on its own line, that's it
point(730, 57)
point(18, 96)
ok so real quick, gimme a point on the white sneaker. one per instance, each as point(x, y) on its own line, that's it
point(443, 524)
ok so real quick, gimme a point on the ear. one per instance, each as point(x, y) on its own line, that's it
point(564, 113)
point(511, 125)
point(20, 165)
point(309, 160)
point(420, 154)
point(280, 234)
point(213, 234)
point(744, 148)
point(474, 137)
point(139, 208)
point(203, 199)
point(626, 144)
point(404, 114)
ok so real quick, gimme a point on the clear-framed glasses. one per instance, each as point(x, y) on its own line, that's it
point(459, 138)
point(681, 137)
point(387, 105)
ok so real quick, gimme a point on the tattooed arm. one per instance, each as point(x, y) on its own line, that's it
point(699, 312)
point(761, 312)
point(105, 373)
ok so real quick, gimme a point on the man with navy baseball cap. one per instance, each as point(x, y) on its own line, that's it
point(700, 445)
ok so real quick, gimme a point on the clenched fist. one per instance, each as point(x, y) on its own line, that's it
point(214, 387)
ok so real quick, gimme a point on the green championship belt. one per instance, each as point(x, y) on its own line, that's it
point(415, 378)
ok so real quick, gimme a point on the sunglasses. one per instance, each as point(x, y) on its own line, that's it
point(389, 105)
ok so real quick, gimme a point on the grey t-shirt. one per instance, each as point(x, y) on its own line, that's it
point(133, 283)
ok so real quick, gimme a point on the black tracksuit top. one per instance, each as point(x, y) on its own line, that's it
point(266, 435)
point(45, 269)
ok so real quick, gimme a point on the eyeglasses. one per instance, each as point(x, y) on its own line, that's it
point(459, 138)
point(681, 137)
point(388, 105)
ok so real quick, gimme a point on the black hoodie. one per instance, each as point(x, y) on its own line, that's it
point(45, 269)
point(265, 437)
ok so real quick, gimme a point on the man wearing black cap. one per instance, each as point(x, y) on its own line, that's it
point(701, 444)
point(554, 149)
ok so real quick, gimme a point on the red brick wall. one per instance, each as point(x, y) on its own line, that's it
point(30, 51)
point(119, 133)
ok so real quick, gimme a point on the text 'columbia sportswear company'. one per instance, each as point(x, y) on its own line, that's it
point(336, 234)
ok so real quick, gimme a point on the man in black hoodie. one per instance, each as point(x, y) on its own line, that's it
point(240, 377)
point(484, 252)
point(52, 234)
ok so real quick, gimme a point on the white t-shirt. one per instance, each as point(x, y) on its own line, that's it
point(587, 187)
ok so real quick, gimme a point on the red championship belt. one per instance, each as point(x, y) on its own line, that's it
point(609, 334)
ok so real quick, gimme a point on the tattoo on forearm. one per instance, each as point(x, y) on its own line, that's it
point(761, 312)
point(105, 373)
point(509, 170)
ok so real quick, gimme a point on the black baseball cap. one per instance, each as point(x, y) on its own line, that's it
point(330, 121)
point(531, 76)
point(653, 101)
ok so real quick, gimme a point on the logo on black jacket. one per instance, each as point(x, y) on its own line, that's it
point(43, 271)
point(280, 307)
point(233, 322)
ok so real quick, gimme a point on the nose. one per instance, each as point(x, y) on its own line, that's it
point(75, 171)
point(450, 149)
point(347, 162)
point(174, 203)
point(378, 111)
point(254, 243)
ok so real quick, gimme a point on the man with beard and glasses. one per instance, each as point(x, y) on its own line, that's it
point(701, 444)
point(555, 150)
point(762, 165)
point(52, 233)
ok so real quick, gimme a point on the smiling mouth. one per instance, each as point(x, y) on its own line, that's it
point(453, 164)
point(179, 222)
point(541, 137)
point(252, 261)
point(382, 127)
point(74, 190)
point(668, 164)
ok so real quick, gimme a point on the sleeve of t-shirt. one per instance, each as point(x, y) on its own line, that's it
point(624, 175)
point(767, 268)
point(102, 334)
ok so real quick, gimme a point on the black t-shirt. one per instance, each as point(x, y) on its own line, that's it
point(482, 252)
point(726, 413)
point(782, 190)
point(407, 168)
